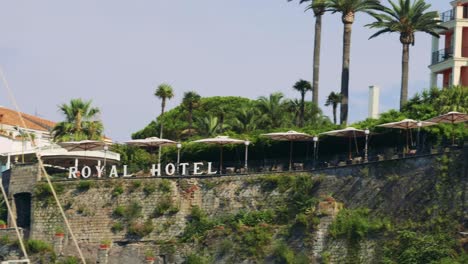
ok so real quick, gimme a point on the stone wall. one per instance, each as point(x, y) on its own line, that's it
point(397, 187)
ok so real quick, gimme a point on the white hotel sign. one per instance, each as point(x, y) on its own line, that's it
point(170, 169)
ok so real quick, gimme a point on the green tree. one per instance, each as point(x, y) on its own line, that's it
point(80, 122)
point(191, 101)
point(318, 7)
point(333, 99)
point(406, 18)
point(348, 10)
point(208, 125)
point(302, 87)
point(271, 110)
point(294, 107)
point(246, 119)
point(163, 92)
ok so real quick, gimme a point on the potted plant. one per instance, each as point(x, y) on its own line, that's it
point(149, 255)
point(3, 225)
point(59, 232)
point(105, 244)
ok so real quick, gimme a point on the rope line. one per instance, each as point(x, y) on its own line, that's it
point(41, 165)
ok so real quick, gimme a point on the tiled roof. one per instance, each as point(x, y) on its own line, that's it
point(11, 117)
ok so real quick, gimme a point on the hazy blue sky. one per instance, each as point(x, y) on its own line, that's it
point(116, 52)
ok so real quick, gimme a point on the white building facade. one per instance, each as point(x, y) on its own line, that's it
point(451, 61)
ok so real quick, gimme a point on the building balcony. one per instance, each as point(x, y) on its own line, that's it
point(442, 55)
point(447, 16)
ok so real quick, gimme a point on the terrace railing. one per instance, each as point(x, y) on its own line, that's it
point(447, 16)
point(442, 55)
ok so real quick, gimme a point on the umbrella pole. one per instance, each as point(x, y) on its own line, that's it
point(406, 149)
point(453, 133)
point(290, 154)
point(349, 149)
point(221, 159)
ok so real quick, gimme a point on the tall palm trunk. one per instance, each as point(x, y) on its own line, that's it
point(190, 120)
point(301, 120)
point(334, 113)
point(404, 75)
point(161, 127)
point(345, 67)
point(317, 42)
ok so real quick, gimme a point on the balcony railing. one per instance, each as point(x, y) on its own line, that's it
point(447, 16)
point(442, 55)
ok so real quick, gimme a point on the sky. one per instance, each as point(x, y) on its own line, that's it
point(116, 53)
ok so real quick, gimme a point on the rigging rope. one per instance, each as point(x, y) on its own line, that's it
point(41, 165)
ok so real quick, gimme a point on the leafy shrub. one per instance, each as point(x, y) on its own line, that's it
point(119, 211)
point(44, 193)
point(141, 229)
point(149, 188)
point(117, 227)
point(197, 226)
point(38, 246)
point(356, 224)
point(70, 260)
point(134, 185)
point(84, 185)
point(118, 190)
point(165, 186)
point(162, 206)
point(254, 240)
point(196, 259)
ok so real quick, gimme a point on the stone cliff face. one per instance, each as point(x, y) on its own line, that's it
point(249, 218)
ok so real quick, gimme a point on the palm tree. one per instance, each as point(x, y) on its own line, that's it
point(406, 18)
point(333, 99)
point(163, 92)
point(348, 9)
point(318, 7)
point(294, 107)
point(302, 86)
point(246, 119)
point(191, 101)
point(208, 125)
point(80, 122)
point(271, 109)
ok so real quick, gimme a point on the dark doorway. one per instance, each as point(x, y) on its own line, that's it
point(465, 11)
point(23, 210)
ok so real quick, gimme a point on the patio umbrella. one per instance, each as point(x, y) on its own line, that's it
point(221, 141)
point(407, 124)
point(349, 132)
point(289, 136)
point(84, 145)
point(452, 118)
point(151, 142)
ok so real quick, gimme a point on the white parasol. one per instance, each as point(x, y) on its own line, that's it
point(407, 124)
point(150, 143)
point(221, 141)
point(349, 132)
point(289, 136)
point(451, 118)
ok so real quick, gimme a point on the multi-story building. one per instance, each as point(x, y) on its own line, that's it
point(451, 62)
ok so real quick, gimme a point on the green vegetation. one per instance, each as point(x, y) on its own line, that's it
point(164, 205)
point(80, 122)
point(134, 185)
point(197, 259)
point(149, 188)
point(117, 227)
point(38, 246)
point(70, 260)
point(84, 185)
point(118, 190)
point(140, 229)
point(357, 224)
point(43, 192)
point(165, 186)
